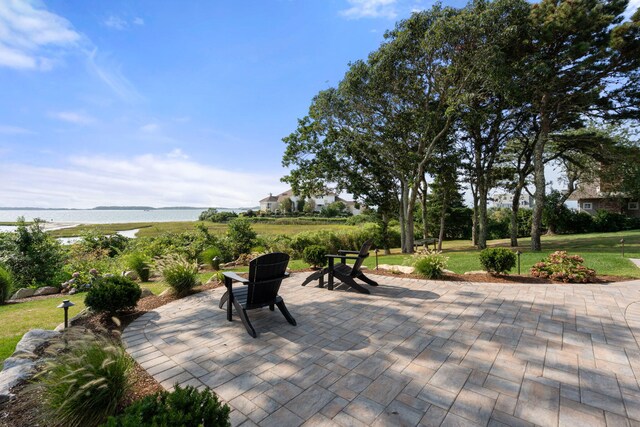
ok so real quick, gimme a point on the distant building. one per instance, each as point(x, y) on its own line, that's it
point(272, 203)
point(505, 200)
point(596, 196)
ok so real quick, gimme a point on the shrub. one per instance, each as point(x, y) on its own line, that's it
point(85, 383)
point(315, 255)
point(179, 273)
point(112, 294)
point(209, 254)
point(563, 267)
point(6, 284)
point(497, 260)
point(32, 256)
point(241, 236)
point(430, 265)
point(186, 407)
point(213, 215)
point(139, 263)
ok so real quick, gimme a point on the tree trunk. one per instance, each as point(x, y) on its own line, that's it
point(474, 218)
point(482, 214)
point(384, 230)
point(539, 178)
point(515, 207)
point(443, 215)
point(425, 227)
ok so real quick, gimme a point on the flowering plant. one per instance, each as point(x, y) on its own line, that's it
point(565, 268)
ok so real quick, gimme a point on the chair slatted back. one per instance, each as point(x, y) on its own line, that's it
point(265, 276)
point(364, 252)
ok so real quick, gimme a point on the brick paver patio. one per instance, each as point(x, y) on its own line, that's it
point(414, 352)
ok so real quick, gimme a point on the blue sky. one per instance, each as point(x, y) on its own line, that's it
point(159, 102)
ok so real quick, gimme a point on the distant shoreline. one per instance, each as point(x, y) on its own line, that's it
point(123, 208)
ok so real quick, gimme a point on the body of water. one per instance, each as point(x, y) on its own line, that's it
point(91, 216)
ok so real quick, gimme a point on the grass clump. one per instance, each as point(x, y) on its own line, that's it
point(430, 265)
point(186, 407)
point(84, 383)
point(497, 260)
point(139, 263)
point(6, 284)
point(113, 294)
point(179, 273)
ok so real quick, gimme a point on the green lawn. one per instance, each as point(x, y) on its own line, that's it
point(16, 319)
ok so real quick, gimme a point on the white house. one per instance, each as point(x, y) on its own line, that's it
point(505, 200)
point(271, 203)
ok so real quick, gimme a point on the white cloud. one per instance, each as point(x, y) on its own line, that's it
point(116, 23)
point(72, 117)
point(370, 9)
point(152, 180)
point(31, 37)
point(120, 24)
point(150, 128)
point(14, 130)
point(177, 154)
point(112, 76)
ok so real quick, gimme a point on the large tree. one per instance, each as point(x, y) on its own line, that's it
point(577, 69)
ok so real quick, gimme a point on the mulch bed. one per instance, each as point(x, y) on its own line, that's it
point(22, 412)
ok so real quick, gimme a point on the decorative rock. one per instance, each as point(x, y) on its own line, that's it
point(21, 364)
point(23, 293)
point(130, 275)
point(166, 292)
point(84, 313)
point(445, 271)
point(73, 291)
point(46, 290)
point(146, 293)
point(475, 272)
point(397, 268)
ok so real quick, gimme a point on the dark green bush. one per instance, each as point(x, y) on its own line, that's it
point(185, 407)
point(315, 255)
point(609, 221)
point(140, 263)
point(113, 294)
point(213, 215)
point(6, 284)
point(497, 260)
point(84, 384)
point(179, 273)
point(241, 236)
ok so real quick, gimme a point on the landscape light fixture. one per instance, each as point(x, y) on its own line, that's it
point(376, 251)
point(622, 243)
point(518, 253)
point(66, 304)
point(215, 262)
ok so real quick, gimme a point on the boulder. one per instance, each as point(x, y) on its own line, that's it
point(23, 293)
point(130, 275)
point(73, 291)
point(397, 268)
point(45, 290)
point(468, 273)
point(20, 366)
point(166, 292)
point(146, 293)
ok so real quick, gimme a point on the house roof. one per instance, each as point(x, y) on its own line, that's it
point(270, 198)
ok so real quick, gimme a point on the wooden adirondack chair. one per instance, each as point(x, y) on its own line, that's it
point(344, 272)
point(260, 290)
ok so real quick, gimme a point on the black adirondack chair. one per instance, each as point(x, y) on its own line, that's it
point(344, 272)
point(260, 290)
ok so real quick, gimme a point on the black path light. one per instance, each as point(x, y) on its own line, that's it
point(622, 243)
point(376, 251)
point(66, 304)
point(518, 253)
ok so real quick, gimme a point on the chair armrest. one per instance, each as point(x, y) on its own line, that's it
point(233, 276)
point(342, 256)
point(341, 251)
